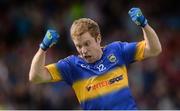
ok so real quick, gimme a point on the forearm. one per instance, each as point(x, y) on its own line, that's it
point(37, 71)
point(153, 46)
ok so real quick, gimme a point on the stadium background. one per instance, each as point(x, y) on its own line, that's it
point(23, 23)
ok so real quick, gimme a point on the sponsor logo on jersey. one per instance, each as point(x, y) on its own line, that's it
point(104, 83)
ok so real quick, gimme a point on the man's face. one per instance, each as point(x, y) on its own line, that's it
point(88, 48)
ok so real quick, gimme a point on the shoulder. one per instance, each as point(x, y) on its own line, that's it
point(115, 45)
point(70, 60)
point(120, 45)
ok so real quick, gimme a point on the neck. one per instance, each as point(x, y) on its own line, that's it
point(100, 53)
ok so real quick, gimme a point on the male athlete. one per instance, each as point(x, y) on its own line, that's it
point(98, 74)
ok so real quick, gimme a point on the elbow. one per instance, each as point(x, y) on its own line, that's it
point(31, 79)
point(157, 51)
point(34, 81)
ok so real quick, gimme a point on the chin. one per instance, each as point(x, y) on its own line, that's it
point(90, 61)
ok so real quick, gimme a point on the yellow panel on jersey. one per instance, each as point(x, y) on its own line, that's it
point(56, 76)
point(96, 86)
point(139, 55)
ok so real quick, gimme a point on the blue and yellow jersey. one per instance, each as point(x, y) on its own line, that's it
point(103, 84)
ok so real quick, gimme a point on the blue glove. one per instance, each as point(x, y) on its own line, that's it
point(137, 16)
point(49, 40)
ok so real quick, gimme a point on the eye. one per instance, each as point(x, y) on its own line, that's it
point(87, 43)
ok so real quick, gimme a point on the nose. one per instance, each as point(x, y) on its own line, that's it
point(84, 50)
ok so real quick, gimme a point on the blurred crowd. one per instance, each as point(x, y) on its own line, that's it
point(154, 82)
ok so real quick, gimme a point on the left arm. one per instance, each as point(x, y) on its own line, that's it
point(153, 45)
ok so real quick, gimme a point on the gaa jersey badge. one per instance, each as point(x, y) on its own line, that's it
point(112, 58)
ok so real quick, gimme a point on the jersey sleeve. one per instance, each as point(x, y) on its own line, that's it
point(55, 74)
point(60, 71)
point(139, 55)
point(133, 51)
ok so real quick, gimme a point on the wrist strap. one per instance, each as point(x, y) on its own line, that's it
point(43, 46)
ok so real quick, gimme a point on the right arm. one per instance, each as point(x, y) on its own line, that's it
point(38, 73)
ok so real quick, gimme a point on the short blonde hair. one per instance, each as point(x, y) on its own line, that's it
point(84, 25)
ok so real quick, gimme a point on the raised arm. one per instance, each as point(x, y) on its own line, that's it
point(38, 73)
point(153, 46)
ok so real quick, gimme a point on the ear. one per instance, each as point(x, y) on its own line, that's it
point(98, 39)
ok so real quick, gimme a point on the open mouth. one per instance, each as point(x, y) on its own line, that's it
point(87, 57)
